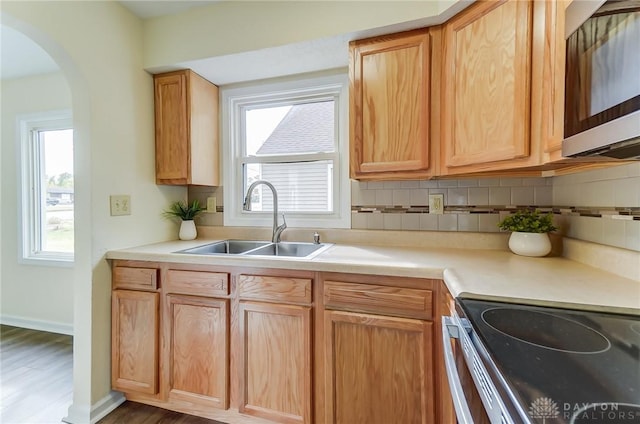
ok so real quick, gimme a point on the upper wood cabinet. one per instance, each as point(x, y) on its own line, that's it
point(186, 121)
point(392, 100)
point(503, 91)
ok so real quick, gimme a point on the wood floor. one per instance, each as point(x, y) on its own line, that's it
point(36, 384)
point(137, 413)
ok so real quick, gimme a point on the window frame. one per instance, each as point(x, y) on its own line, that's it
point(291, 91)
point(30, 193)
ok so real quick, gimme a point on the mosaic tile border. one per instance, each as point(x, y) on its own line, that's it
point(618, 227)
point(622, 213)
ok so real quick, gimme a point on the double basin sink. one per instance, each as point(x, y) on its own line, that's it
point(259, 248)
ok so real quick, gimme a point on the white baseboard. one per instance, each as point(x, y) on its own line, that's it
point(104, 406)
point(81, 414)
point(36, 324)
point(77, 414)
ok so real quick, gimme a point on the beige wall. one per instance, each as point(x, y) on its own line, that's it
point(98, 46)
point(40, 296)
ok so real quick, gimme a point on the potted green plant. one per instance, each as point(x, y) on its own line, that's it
point(186, 213)
point(529, 232)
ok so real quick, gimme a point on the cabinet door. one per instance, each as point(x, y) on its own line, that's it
point(172, 137)
point(275, 379)
point(389, 113)
point(134, 349)
point(487, 96)
point(379, 370)
point(198, 337)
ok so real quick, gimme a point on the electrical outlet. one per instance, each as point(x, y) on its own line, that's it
point(120, 204)
point(436, 203)
point(211, 205)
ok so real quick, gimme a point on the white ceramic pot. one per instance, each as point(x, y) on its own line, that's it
point(187, 230)
point(530, 244)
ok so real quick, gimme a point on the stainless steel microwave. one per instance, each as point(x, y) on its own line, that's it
point(602, 83)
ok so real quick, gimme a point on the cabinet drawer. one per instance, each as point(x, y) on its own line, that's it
point(280, 289)
point(125, 277)
point(395, 301)
point(199, 283)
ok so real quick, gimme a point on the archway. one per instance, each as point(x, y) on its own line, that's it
point(81, 273)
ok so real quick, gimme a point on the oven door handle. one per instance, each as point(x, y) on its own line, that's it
point(463, 413)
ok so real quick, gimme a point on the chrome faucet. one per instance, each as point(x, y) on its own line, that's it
point(277, 229)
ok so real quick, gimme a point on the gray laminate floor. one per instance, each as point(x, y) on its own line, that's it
point(36, 383)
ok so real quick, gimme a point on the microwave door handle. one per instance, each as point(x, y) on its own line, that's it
point(463, 413)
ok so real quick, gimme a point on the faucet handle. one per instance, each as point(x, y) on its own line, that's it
point(316, 238)
point(278, 230)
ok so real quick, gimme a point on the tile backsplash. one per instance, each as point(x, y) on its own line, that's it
point(601, 206)
point(607, 205)
point(470, 204)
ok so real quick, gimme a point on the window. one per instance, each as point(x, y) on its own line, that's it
point(294, 136)
point(47, 204)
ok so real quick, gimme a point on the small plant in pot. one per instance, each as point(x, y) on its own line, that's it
point(529, 232)
point(186, 213)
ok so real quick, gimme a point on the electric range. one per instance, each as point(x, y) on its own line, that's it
point(552, 365)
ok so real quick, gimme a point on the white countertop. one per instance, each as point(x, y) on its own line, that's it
point(489, 274)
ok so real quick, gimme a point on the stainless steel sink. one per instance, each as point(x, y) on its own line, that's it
point(233, 247)
point(259, 248)
point(298, 250)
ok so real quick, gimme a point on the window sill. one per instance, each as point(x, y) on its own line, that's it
point(49, 260)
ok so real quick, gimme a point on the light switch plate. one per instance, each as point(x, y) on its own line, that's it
point(120, 204)
point(211, 205)
point(436, 204)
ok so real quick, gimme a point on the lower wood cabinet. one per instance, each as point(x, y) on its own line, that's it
point(378, 344)
point(275, 381)
point(287, 346)
point(275, 337)
point(134, 345)
point(379, 369)
point(198, 337)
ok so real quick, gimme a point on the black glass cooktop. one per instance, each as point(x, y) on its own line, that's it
point(563, 366)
